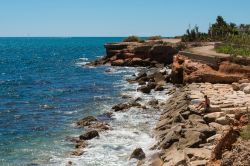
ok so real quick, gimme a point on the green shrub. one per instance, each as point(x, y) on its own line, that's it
point(233, 50)
point(132, 39)
point(155, 38)
point(245, 134)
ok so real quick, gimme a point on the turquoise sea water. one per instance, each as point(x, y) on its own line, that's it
point(44, 90)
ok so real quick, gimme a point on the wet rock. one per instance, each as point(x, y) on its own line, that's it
point(153, 102)
point(138, 154)
point(159, 88)
point(89, 135)
point(121, 106)
point(81, 144)
point(86, 121)
point(101, 126)
point(141, 74)
point(144, 89)
point(77, 152)
point(151, 85)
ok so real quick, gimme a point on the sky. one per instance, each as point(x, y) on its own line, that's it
point(104, 18)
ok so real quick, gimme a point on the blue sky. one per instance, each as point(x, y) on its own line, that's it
point(115, 17)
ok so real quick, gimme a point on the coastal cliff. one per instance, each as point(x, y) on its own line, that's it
point(183, 134)
point(149, 53)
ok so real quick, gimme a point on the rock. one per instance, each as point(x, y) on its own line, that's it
point(162, 53)
point(236, 86)
point(159, 88)
point(186, 70)
point(138, 154)
point(211, 117)
point(80, 144)
point(159, 79)
point(244, 85)
point(100, 126)
point(141, 74)
point(174, 157)
point(246, 90)
point(191, 139)
point(223, 120)
point(213, 138)
point(244, 81)
point(118, 62)
point(151, 85)
point(121, 106)
point(197, 153)
point(89, 135)
point(77, 152)
point(199, 163)
point(153, 102)
point(169, 139)
point(86, 121)
point(144, 89)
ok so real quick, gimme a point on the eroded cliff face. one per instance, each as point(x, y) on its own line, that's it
point(185, 70)
point(139, 54)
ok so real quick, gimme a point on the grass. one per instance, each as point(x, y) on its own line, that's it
point(234, 50)
point(245, 134)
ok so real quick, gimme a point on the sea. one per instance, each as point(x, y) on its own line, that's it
point(45, 88)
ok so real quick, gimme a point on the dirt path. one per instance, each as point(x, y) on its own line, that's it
point(207, 51)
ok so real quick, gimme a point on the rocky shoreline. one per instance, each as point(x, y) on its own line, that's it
point(184, 136)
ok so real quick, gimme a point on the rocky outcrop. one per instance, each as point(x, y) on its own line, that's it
point(138, 54)
point(185, 70)
point(187, 136)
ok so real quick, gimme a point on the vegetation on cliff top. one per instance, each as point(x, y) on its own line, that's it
point(132, 39)
point(219, 31)
point(236, 39)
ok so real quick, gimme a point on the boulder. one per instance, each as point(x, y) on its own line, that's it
point(121, 106)
point(159, 88)
point(144, 89)
point(244, 85)
point(246, 90)
point(224, 120)
point(236, 86)
point(86, 121)
point(191, 139)
point(138, 154)
point(211, 117)
point(89, 135)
